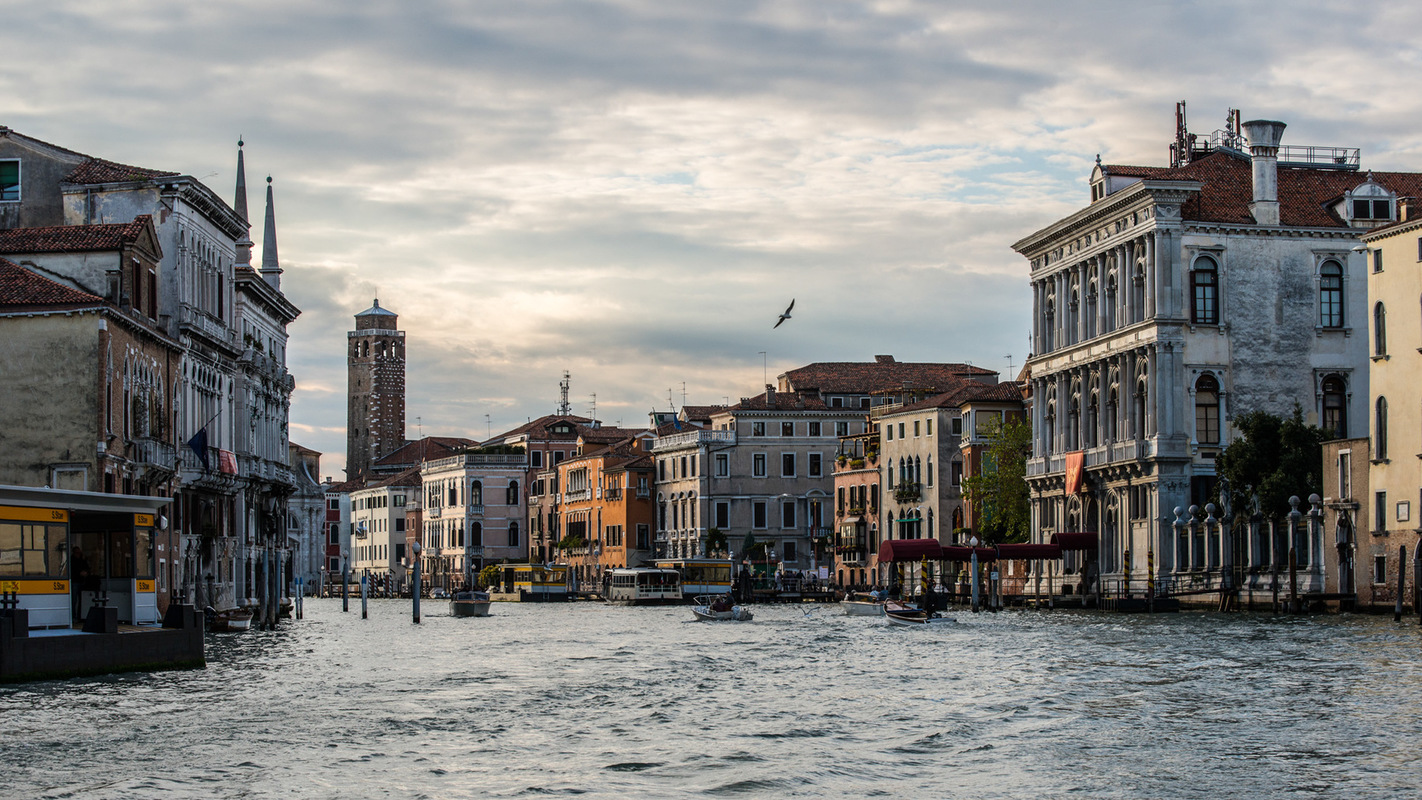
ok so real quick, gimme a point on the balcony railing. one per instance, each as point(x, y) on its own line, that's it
point(200, 321)
point(154, 451)
point(577, 495)
point(908, 492)
point(694, 437)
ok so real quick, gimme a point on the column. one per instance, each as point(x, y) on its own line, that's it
point(1155, 389)
point(1101, 268)
point(1152, 287)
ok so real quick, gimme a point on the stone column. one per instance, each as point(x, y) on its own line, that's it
point(1152, 283)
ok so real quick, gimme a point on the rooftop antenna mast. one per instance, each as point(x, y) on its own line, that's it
point(1009, 365)
point(564, 407)
point(683, 394)
point(419, 426)
point(593, 413)
point(488, 428)
point(764, 367)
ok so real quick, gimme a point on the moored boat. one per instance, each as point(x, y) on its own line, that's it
point(916, 618)
point(469, 604)
point(636, 586)
point(228, 620)
point(719, 609)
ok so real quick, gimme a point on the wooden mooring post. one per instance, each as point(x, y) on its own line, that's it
point(1401, 582)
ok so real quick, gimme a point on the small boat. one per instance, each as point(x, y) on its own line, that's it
point(915, 618)
point(862, 604)
point(228, 620)
point(469, 604)
point(717, 609)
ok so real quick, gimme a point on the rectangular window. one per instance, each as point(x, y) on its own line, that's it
point(557, 457)
point(838, 402)
point(758, 514)
point(957, 473)
point(757, 429)
point(723, 515)
point(644, 537)
point(723, 465)
point(1379, 569)
point(1377, 257)
point(889, 431)
point(787, 514)
point(1345, 474)
point(333, 504)
point(841, 429)
point(930, 428)
point(983, 421)
point(537, 459)
point(901, 430)
point(787, 465)
point(787, 429)
point(957, 426)
point(399, 501)
point(9, 181)
point(814, 429)
point(816, 466)
point(758, 465)
point(1380, 512)
point(789, 548)
point(399, 524)
point(916, 431)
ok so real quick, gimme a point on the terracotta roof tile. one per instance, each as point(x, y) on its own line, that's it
point(1305, 195)
point(99, 170)
point(783, 401)
point(426, 449)
point(864, 377)
point(21, 288)
point(72, 238)
point(538, 428)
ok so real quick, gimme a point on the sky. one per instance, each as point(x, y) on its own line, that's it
point(632, 191)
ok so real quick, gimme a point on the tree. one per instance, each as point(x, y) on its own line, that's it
point(1275, 458)
point(491, 575)
point(999, 494)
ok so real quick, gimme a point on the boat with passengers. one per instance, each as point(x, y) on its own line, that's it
point(643, 586)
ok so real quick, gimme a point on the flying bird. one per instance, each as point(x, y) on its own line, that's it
point(784, 316)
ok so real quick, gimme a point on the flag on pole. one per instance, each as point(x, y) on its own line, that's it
point(198, 444)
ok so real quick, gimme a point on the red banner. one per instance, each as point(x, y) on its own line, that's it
point(1075, 461)
point(227, 462)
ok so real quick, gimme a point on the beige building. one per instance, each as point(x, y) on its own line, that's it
point(378, 529)
point(1395, 410)
point(474, 514)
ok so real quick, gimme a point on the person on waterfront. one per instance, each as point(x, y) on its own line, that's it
point(79, 577)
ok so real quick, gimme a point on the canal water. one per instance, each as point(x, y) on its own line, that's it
point(595, 701)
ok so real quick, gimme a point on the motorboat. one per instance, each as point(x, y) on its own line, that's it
point(908, 617)
point(228, 620)
point(469, 604)
point(710, 608)
point(862, 604)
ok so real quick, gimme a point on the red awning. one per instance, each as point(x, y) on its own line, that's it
point(910, 550)
point(960, 553)
point(1016, 552)
point(1075, 541)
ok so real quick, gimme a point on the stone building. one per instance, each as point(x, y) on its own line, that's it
point(856, 509)
point(1179, 297)
point(86, 397)
point(375, 412)
point(306, 518)
point(474, 513)
point(1360, 559)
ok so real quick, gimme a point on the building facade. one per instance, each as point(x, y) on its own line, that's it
point(474, 514)
point(1180, 297)
point(378, 531)
point(606, 510)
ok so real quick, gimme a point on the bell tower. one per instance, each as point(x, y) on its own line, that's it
point(375, 416)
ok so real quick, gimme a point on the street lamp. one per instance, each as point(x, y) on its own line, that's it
point(973, 543)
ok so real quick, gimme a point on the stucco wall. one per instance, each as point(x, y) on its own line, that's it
point(48, 396)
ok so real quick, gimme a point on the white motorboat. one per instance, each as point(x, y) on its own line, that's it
point(717, 609)
point(916, 618)
point(862, 605)
point(469, 604)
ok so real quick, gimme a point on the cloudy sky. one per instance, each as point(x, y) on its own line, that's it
point(632, 190)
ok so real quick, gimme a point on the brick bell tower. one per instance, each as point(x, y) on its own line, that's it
point(375, 416)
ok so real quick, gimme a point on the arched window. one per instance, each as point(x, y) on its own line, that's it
point(1335, 407)
point(1379, 330)
point(1330, 295)
point(1207, 410)
point(1380, 438)
point(1204, 286)
point(512, 496)
point(1093, 418)
point(476, 534)
point(476, 493)
point(1112, 412)
point(1142, 396)
point(513, 534)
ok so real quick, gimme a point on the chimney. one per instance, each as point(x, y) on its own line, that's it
point(883, 359)
point(769, 394)
point(1404, 208)
point(1264, 136)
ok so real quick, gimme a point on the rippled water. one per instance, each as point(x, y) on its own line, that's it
point(602, 701)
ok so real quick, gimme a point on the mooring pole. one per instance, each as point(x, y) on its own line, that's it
point(415, 547)
point(364, 594)
point(1401, 582)
point(345, 582)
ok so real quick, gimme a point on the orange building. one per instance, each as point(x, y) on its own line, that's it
point(606, 516)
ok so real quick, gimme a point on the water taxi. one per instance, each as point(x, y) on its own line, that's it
point(538, 582)
point(469, 604)
point(709, 576)
point(718, 608)
point(638, 586)
point(862, 604)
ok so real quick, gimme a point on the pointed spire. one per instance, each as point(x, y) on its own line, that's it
point(271, 266)
point(241, 203)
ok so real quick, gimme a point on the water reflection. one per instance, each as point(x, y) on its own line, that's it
point(618, 702)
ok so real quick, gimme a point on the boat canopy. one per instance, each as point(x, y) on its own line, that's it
point(1024, 551)
point(961, 553)
point(910, 550)
point(1075, 541)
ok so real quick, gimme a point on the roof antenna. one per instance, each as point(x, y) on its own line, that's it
point(564, 407)
point(488, 428)
point(593, 413)
point(1009, 366)
point(419, 426)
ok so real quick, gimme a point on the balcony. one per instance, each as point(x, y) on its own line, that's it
point(432, 512)
point(695, 437)
point(577, 495)
point(612, 493)
point(908, 492)
point(155, 452)
point(193, 320)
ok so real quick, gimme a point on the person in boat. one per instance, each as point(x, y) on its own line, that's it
point(930, 601)
point(721, 603)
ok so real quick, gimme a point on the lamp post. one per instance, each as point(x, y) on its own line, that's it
point(415, 548)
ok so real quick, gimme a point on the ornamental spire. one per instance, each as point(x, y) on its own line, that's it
point(271, 265)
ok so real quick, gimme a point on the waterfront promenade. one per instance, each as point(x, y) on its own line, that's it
point(603, 701)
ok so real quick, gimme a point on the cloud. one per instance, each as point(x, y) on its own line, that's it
point(631, 190)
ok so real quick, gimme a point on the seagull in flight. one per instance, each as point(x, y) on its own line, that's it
point(784, 316)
